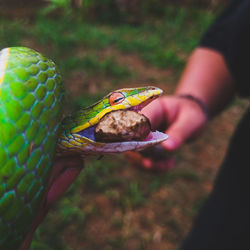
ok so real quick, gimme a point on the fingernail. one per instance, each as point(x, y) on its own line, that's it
point(170, 144)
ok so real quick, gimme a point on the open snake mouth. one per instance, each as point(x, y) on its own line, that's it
point(123, 130)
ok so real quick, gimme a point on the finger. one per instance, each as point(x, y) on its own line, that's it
point(144, 162)
point(181, 130)
point(162, 165)
point(61, 184)
point(65, 171)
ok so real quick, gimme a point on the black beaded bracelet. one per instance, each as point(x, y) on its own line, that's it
point(202, 105)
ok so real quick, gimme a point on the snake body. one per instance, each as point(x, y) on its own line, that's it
point(31, 94)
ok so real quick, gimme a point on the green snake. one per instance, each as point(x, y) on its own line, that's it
point(31, 133)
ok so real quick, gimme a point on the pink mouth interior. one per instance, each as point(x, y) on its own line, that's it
point(156, 135)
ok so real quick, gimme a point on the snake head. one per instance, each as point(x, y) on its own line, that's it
point(78, 130)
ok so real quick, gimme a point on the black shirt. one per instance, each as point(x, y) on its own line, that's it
point(230, 35)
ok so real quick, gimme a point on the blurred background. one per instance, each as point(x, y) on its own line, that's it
point(104, 45)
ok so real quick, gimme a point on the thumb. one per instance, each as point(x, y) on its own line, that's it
point(65, 171)
point(181, 130)
point(174, 140)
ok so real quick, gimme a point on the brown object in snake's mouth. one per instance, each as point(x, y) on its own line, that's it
point(122, 125)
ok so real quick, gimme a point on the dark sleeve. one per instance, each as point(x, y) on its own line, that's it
point(230, 35)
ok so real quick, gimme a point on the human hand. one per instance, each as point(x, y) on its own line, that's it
point(65, 171)
point(182, 119)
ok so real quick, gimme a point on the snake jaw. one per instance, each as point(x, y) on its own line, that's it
point(85, 146)
point(118, 147)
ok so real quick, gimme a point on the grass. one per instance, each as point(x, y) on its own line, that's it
point(94, 65)
point(113, 205)
point(158, 43)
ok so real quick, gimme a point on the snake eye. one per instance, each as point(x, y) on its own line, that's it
point(116, 98)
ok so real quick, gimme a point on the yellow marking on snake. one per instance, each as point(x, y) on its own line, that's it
point(3, 63)
point(78, 141)
point(66, 144)
point(94, 120)
point(87, 141)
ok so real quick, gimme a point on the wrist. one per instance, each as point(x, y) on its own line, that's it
point(203, 106)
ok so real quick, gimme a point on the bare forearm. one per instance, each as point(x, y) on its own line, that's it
point(207, 77)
